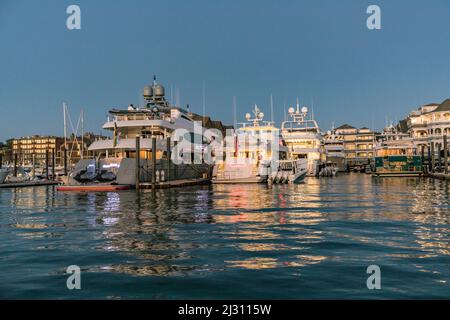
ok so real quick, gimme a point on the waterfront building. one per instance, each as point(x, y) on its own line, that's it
point(358, 145)
point(34, 148)
point(428, 124)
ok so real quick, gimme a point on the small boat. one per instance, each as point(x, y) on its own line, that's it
point(291, 171)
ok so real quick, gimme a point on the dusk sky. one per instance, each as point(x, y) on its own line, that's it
point(321, 51)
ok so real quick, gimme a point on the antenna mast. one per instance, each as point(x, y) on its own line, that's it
point(234, 112)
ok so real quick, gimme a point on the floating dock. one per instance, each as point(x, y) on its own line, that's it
point(441, 176)
point(93, 188)
point(28, 184)
point(175, 183)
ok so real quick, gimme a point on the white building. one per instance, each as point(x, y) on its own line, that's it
point(429, 124)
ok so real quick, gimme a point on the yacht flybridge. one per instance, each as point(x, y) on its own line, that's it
point(303, 138)
point(258, 155)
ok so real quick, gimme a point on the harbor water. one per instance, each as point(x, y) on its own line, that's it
point(313, 240)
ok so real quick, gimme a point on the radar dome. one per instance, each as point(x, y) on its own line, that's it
point(248, 116)
point(304, 110)
point(159, 90)
point(148, 92)
point(261, 115)
point(291, 110)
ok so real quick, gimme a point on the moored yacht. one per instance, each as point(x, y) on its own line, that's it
point(303, 138)
point(170, 126)
point(258, 154)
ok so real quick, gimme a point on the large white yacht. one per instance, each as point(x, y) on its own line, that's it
point(155, 119)
point(303, 138)
point(258, 154)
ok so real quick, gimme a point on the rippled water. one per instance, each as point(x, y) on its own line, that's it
point(313, 240)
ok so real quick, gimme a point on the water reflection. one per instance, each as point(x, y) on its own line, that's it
point(225, 228)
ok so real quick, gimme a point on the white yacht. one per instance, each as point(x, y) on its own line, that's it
point(303, 138)
point(115, 157)
point(258, 154)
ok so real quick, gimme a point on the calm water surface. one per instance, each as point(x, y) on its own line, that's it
point(313, 240)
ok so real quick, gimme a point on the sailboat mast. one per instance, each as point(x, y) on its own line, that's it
point(271, 109)
point(82, 134)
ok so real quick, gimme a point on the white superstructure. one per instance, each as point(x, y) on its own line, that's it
point(303, 138)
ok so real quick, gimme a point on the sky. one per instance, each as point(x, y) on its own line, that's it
point(318, 50)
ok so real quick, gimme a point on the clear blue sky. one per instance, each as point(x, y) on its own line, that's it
point(318, 50)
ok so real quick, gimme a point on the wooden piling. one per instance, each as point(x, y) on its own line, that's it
point(15, 164)
point(445, 155)
point(65, 161)
point(33, 169)
point(53, 165)
point(439, 158)
point(1, 160)
point(47, 165)
point(429, 158)
point(154, 163)
point(432, 158)
point(138, 162)
point(169, 156)
point(423, 158)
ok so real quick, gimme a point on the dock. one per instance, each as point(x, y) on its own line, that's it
point(28, 184)
point(441, 176)
point(175, 183)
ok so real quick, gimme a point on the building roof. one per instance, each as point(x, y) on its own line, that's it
point(345, 126)
point(365, 128)
point(444, 106)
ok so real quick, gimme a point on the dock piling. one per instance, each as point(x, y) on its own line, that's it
point(138, 162)
point(154, 163)
point(169, 156)
point(53, 165)
point(432, 158)
point(65, 161)
point(1, 160)
point(445, 155)
point(46, 165)
point(15, 164)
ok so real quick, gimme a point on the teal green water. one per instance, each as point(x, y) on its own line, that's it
point(313, 240)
